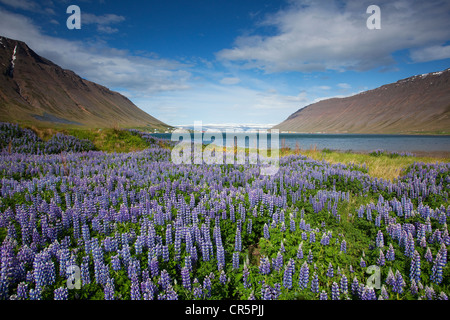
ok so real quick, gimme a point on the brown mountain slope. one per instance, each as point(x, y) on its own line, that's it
point(35, 90)
point(419, 104)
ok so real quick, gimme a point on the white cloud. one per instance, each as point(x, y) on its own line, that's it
point(431, 53)
point(21, 4)
point(103, 22)
point(210, 102)
point(344, 85)
point(230, 81)
point(326, 35)
point(105, 19)
point(140, 76)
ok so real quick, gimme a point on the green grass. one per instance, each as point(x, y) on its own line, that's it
point(108, 140)
point(111, 140)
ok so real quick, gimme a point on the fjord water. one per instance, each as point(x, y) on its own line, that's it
point(354, 142)
point(368, 142)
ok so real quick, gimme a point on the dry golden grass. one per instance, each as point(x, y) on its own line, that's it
point(380, 167)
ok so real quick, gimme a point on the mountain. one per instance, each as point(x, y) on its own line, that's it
point(34, 90)
point(419, 104)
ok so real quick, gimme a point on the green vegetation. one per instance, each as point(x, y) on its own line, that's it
point(108, 140)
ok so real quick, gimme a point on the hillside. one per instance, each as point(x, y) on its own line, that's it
point(34, 90)
point(419, 104)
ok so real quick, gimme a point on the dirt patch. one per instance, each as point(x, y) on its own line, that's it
point(254, 254)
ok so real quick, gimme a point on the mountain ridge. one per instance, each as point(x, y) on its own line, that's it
point(415, 105)
point(35, 90)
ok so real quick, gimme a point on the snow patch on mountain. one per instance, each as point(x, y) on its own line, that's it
point(13, 58)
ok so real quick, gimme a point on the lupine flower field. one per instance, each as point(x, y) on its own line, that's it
point(136, 226)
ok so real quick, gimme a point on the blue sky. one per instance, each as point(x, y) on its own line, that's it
point(227, 61)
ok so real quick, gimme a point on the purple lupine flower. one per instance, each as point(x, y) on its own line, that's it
point(310, 257)
point(186, 278)
point(207, 286)
point(362, 263)
point(304, 276)
point(85, 274)
point(245, 277)
point(291, 224)
point(164, 280)
point(436, 269)
point(61, 293)
point(300, 251)
point(355, 285)
point(22, 291)
point(277, 262)
point(384, 293)
point(249, 226)
point(221, 257)
point(165, 253)
point(115, 262)
point(409, 246)
point(266, 293)
point(135, 290)
point(315, 283)
point(381, 259)
point(325, 240)
point(36, 294)
point(282, 248)
point(148, 290)
point(443, 252)
point(423, 242)
point(428, 255)
point(193, 253)
point(335, 291)
point(154, 267)
point(390, 279)
point(223, 278)
point(414, 273)
point(413, 288)
point(344, 246)
point(399, 283)
point(344, 284)
point(205, 250)
point(238, 240)
point(369, 294)
point(264, 265)
point(380, 239)
point(266, 231)
point(312, 237)
point(442, 296)
point(323, 295)
point(430, 293)
point(109, 290)
point(330, 271)
point(235, 260)
point(198, 291)
point(287, 276)
point(390, 254)
point(188, 262)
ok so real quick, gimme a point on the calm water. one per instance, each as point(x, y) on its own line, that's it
point(358, 142)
